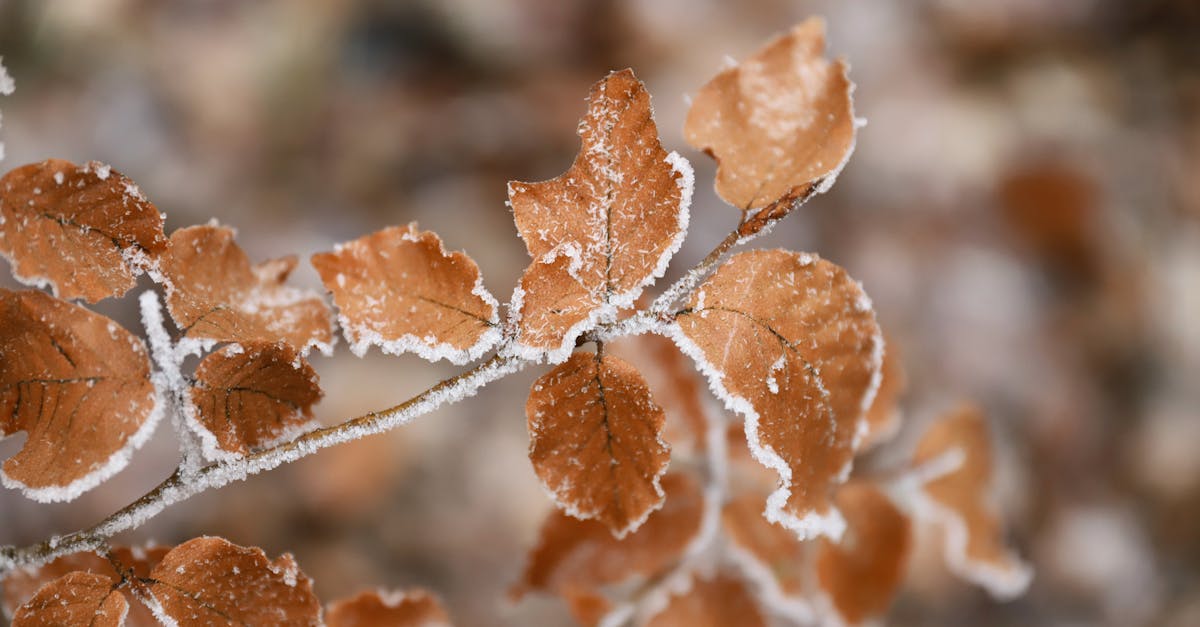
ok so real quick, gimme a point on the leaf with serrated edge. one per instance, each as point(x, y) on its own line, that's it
point(86, 232)
point(860, 575)
point(596, 440)
point(974, 546)
point(718, 602)
point(374, 608)
point(579, 555)
point(214, 293)
point(251, 396)
point(602, 231)
point(780, 124)
point(77, 598)
point(400, 290)
point(789, 341)
point(213, 581)
point(79, 385)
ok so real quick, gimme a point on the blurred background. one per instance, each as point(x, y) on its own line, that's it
point(1024, 208)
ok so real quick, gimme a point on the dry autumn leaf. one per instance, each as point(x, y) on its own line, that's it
point(412, 608)
point(676, 385)
point(718, 602)
point(974, 546)
point(211, 581)
point(769, 554)
point(579, 555)
point(789, 341)
point(884, 416)
point(79, 385)
point(75, 599)
point(400, 290)
point(87, 232)
point(605, 229)
point(595, 440)
point(862, 573)
point(251, 396)
point(214, 293)
point(780, 124)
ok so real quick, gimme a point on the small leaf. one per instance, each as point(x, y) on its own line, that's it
point(862, 573)
point(79, 385)
point(676, 385)
point(975, 547)
point(780, 124)
point(766, 549)
point(580, 555)
point(211, 581)
point(884, 416)
point(214, 293)
point(412, 608)
point(21, 584)
point(595, 440)
point(250, 397)
point(790, 342)
point(400, 290)
point(588, 608)
point(84, 231)
point(75, 599)
point(605, 229)
point(718, 602)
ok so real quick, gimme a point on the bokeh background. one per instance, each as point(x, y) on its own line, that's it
point(1024, 208)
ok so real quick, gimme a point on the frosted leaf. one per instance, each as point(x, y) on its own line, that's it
point(718, 602)
point(82, 234)
point(212, 581)
point(861, 574)
point(79, 385)
point(75, 599)
point(411, 608)
point(400, 290)
point(602, 231)
point(252, 396)
point(596, 440)
point(676, 385)
point(767, 305)
point(20, 585)
point(769, 555)
point(580, 555)
point(213, 292)
point(974, 545)
point(779, 124)
point(884, 417)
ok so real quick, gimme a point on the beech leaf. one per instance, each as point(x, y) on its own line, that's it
point(884, 416)
point(86, 232)
point(603, 230)
point(595, 440)
point(975, 548)
point(400, 290)
point(412, 608)
point(79, 385)
point(214, 293)
point(718, 602)
point(770, 554)
point(862, 573)
point(252, 396)
point(211, 581)
point(77, 598)
point(790, 342)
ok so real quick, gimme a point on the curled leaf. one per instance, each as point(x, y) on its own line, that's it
point(412, 608)
point(603, 230)
point(252, 396)
point(214, 293)
point(595, 440)
point(79, 385)
point(780, 124)
point(87, 232)
point(975, 547)
point(77, 598)
point(790, 342)
point(718, 602)
point(400, 290)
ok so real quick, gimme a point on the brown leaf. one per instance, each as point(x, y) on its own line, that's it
point(579, 555)
point(774, 549)
point(400, 290)
point(74, 599)
point(79, 385)
point(677, 387)
point(605, 229)
point(789, 341)
point(862, 573)
point(214, 293)
point(413, 608)
point(883, 418)
point(588, 608)
point(252, 396)
point(595, 440)
point(210, 581)
point(780, 124)
point(85, 231)
point(718, 602)
point(975, 547)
